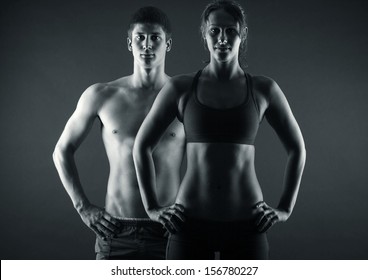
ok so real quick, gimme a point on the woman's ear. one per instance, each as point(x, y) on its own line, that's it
point(205, 44)
point(246, 33)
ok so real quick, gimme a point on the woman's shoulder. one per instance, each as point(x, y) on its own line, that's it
point(262, 82)
point(182, 82)
point(264, 86)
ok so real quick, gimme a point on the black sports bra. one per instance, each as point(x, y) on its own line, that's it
point(205, 124)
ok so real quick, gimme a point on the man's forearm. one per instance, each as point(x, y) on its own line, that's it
point(66, 167)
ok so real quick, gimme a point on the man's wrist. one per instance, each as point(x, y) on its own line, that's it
point(80, 206)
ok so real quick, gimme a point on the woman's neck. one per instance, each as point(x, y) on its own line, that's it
point(224, 71)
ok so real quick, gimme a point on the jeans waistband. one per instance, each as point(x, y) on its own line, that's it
point(137, 222)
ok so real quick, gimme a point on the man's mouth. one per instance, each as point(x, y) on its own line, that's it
point(147, 55)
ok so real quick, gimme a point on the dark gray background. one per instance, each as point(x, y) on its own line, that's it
point(50, 51)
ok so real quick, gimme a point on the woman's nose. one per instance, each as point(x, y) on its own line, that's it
point(223, 37)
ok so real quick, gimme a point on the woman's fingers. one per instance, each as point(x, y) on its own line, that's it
point(267, 221)
point(172, 217)
point(176, 210)
point(265, 216)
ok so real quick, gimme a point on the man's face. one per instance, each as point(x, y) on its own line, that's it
point(148, 45)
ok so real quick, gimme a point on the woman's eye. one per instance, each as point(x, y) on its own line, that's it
point(214, 31)
point(231, 31)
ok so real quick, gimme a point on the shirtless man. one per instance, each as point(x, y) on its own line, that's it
point(123, 229)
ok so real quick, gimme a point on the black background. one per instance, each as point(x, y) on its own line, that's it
point(51, 51)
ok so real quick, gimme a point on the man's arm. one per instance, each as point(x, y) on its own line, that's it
point(282, 120)
point(75, 131)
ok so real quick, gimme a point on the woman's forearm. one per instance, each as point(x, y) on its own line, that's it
point(292, 178)
point(145, 170)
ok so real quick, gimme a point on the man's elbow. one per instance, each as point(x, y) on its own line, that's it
point(60, 154)
point(56, 154)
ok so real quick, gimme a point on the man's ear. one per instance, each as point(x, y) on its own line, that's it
point(168, 45)
point(129, 43)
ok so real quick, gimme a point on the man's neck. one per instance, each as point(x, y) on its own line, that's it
point(149, 78)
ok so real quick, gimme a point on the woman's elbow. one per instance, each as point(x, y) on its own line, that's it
point(298, 150)
point(140, 149)
point(301, 155)
point(136, 151)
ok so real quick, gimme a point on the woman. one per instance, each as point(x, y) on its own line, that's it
point(219, 207)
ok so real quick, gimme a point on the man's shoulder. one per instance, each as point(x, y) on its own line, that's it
point(105, 90)
point(120, 83)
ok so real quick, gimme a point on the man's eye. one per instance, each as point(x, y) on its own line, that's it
point(154, 38)
point(139, 37)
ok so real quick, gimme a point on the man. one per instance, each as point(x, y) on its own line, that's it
point(123, 228)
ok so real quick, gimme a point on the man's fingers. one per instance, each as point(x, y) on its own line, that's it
point(102, 226)
point(97, 232)
point(111, 219)
point(108, 224)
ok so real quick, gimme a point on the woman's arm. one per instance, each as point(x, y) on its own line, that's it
point(282, 120)
point(162, 113)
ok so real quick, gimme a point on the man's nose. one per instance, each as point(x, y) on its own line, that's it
point(147, 44)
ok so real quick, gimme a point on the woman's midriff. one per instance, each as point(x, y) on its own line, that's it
point(220, 183)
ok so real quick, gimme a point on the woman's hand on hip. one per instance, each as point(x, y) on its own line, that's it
point(266, 216)
point(171, 217)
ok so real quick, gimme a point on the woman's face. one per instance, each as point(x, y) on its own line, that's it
point(222, 36)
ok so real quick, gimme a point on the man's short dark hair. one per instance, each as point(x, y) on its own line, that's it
point(150, 15)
